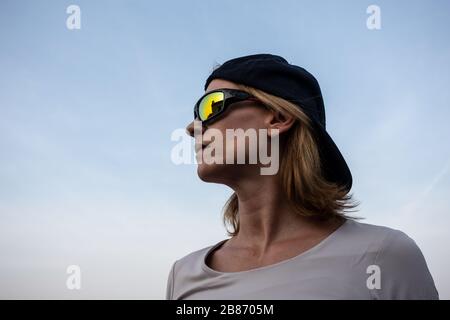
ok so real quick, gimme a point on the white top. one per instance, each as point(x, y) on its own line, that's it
point(357, 261)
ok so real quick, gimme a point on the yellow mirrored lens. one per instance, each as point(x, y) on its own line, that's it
point(210, 105)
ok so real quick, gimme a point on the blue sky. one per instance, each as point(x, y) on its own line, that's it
point(86, 117)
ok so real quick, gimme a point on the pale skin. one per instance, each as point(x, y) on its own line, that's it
point(269, 230)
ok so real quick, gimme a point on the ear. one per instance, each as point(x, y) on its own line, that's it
point(280, 122)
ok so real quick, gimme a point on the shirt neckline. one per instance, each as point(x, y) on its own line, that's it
point(331, 236)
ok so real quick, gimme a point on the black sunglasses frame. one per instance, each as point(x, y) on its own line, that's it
point(230, 96)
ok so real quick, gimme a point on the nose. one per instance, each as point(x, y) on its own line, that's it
point(190, 129)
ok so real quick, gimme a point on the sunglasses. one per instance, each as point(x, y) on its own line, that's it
point(214, 103)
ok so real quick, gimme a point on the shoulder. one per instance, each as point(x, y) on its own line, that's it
point(355, 237)
point(196, 258)
point(369, 231)
point(186, 269)
point(390, 244)
point(193, 262)
point(403, 270)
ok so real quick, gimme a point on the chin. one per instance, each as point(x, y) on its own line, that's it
point(216, 173)
point(208, 172)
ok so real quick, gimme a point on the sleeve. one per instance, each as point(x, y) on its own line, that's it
point(404, 271)
point(170, 282)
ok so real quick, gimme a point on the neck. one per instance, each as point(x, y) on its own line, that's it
point(265, 216)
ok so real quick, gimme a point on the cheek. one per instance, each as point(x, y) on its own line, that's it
point(244, 118)
point(247, 119)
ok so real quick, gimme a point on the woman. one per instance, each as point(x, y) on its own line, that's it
point(290, 235)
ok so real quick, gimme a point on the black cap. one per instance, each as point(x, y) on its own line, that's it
point(274, 75)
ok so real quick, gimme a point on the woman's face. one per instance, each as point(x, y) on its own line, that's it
point(242, 115)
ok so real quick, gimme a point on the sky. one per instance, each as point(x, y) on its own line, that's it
point(86, 117)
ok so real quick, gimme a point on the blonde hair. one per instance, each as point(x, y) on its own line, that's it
point(302, 180)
